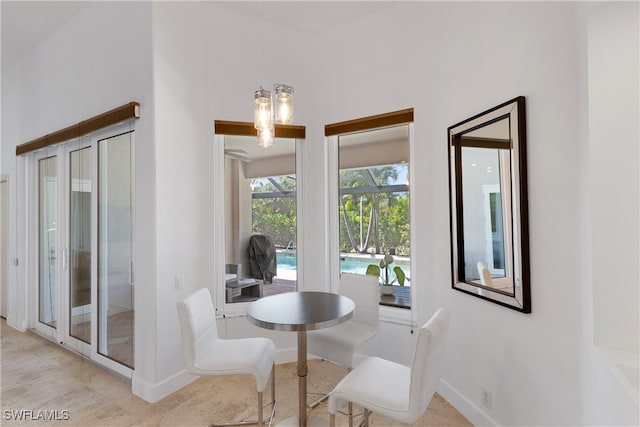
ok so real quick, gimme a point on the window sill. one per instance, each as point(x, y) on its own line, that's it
point(401, 297)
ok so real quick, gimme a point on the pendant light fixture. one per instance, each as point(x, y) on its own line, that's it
point(283, 104)
point(265, 137)
point(262, 111)
point(268, 111)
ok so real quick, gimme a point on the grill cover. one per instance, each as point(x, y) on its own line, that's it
point(262, 258)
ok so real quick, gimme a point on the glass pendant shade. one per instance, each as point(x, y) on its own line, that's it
point(283, 104)
point(262, 112)
point(265, 137)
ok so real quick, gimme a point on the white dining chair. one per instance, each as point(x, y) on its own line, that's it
point(485, 274)
point(206, 354)
point(338, 344)
point(391, 389)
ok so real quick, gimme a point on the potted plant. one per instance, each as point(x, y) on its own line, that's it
point(382, 271)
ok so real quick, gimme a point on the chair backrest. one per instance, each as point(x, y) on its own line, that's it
point(197, 325)
point(363, 290)
point(485, 275)
point(427, 359)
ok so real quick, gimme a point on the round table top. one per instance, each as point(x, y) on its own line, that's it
point(300, 311)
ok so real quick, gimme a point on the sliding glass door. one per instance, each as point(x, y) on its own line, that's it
point(116, 248)
point(47, 190)
point(85, 246)
point(80, 244)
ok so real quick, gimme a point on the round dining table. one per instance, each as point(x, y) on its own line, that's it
point(300, 312)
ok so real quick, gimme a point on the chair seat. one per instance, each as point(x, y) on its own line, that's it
point(376, 384)
point(338, 343)
point(253, 356)
point(399, 392)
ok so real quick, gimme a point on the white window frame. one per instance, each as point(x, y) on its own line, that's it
point(218, 289)
point(395, 315)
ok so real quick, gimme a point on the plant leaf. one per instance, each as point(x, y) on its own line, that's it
point(399, 275)
point(373, 270)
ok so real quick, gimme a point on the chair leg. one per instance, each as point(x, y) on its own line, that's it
point(332, 420)
point(260, 420)
point(350, 411)
point(318, 402)
point(273, 392)
point(323, 398)
point(273, 395)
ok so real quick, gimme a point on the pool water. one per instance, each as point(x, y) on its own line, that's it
point(288, 264)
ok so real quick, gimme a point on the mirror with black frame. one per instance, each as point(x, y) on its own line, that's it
point(489, 210)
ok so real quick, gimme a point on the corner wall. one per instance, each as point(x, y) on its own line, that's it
point(610, 215)
point(451, 61)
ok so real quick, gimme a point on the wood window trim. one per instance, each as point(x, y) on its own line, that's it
point(226, 127)
point(477, 142)
point(371, 122)
point(111, 117)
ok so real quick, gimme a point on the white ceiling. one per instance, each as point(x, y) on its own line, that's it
point(25, 24)
point(308, 16)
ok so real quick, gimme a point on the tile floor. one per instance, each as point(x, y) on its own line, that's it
point(39, 375)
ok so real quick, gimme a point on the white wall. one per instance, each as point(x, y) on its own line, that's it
point(183, 203)
point(610, 205)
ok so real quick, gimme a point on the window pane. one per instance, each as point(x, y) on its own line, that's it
point(116, 248)
point(374, 202)
point(48, 228)
point(80, 246)
point(260, 218)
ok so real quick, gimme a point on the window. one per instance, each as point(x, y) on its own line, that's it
point(373, 209)
point(261, 218)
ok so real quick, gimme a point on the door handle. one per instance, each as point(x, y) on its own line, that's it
point(65, 259)
point(132, 265)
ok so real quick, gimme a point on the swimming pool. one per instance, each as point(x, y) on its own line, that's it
point(287, 264)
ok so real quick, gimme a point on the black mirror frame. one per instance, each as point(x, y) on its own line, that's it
point(520, 300)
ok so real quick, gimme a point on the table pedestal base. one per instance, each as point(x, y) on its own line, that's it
point(302, 378)
point(311, 422)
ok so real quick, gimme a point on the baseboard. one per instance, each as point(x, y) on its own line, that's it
point(466, 407)
point(155, 392)
point(17, 324)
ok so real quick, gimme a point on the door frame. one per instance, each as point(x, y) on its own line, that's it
point(4, 244)
point(61, 333)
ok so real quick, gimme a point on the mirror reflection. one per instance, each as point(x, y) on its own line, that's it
point(260, 218)
point(489, 206)
point(486, 189)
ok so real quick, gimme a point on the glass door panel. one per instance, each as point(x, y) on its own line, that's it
point(116, 248)
point(48, 241)
point(80, 245)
